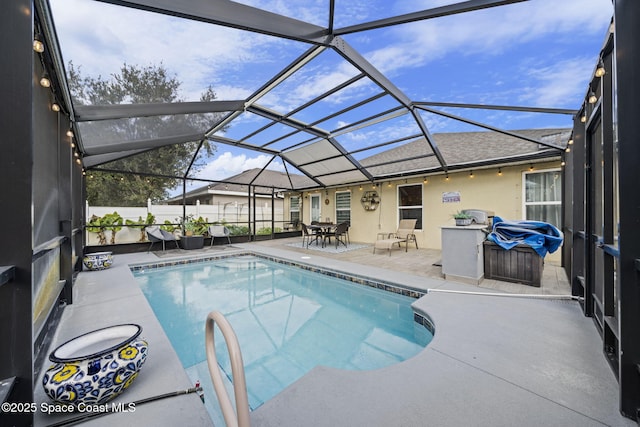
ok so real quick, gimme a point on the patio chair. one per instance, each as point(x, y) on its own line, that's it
point(306, 235)
point(404, 233)
point(219, 231)
point(315, 232)
point(156, 234)
point(348, 227)
point(340, 233)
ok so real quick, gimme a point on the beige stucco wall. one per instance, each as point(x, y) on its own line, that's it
point(486, 190)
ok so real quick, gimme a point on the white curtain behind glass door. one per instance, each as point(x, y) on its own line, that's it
point(315, 208)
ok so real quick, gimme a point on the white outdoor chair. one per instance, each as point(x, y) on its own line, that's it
point(219, 231)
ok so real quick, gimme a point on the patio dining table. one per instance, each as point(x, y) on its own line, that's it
point(323, 231)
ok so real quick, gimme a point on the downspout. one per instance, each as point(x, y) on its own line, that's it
point(184, 204)
point(255, 212)
point(249, 211)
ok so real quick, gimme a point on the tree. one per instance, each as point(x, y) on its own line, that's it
point(139, 85)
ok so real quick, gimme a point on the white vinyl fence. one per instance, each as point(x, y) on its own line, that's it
point(229, 213)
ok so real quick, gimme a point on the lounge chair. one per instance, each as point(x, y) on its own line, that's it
point(156, 234)
point(404, 233)
point(219, 231)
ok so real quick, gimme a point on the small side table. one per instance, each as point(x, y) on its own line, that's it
point(192, 242)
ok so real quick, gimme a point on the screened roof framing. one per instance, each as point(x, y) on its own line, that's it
point(307, 139)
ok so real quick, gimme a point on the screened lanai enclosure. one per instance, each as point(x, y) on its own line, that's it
point(314, 97)
point(165, 97)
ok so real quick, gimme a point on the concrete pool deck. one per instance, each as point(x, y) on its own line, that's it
point(493, 360)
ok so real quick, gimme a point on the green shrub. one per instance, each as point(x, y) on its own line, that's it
point(267, 230)
point(238, 230)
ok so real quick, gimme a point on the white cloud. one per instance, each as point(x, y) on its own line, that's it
point(321, 75)
point(231, 92)
point(312, 11)
point(558, 82)
point(382, 132)
point(101, 37)
point(228, 164)
point(489, 31)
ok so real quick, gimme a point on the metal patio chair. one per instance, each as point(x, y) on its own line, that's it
point(156, 234)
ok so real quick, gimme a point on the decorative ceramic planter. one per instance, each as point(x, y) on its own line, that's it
point(463, 221)
point(95, 367)
point(98, 260)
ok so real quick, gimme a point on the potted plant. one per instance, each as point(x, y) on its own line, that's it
point(190, 228)
point(194, 226)
point(462, 218)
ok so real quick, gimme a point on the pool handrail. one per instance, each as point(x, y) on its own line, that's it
point(241, 419)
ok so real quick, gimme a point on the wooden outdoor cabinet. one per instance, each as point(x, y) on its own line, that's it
point(521, 264)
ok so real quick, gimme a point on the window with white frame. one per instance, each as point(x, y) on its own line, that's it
point(543, 196)
point(343, 206)
point(410, 203)
point(294, 209)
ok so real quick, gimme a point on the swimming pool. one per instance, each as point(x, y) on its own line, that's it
point(287, 319)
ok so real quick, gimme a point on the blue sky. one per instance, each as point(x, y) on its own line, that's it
point(539, 53)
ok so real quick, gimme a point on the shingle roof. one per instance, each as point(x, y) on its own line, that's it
point(265, 181)
point(464, 149)
point(460, 149)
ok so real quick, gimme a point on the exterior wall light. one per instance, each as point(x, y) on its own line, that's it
point(44, 80)
point(38, 46)
point(600, 70)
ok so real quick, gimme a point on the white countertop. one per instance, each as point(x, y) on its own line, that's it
point(466, 227)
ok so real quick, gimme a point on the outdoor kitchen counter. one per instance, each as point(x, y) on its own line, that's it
point(462, 253)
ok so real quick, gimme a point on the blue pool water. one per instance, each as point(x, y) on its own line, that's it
point(287, 319)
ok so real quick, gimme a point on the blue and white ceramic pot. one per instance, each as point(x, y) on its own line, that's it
point(95, 367)
point(98, 260)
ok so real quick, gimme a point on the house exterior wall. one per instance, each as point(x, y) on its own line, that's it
point(487, 190)
point(220, 198)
